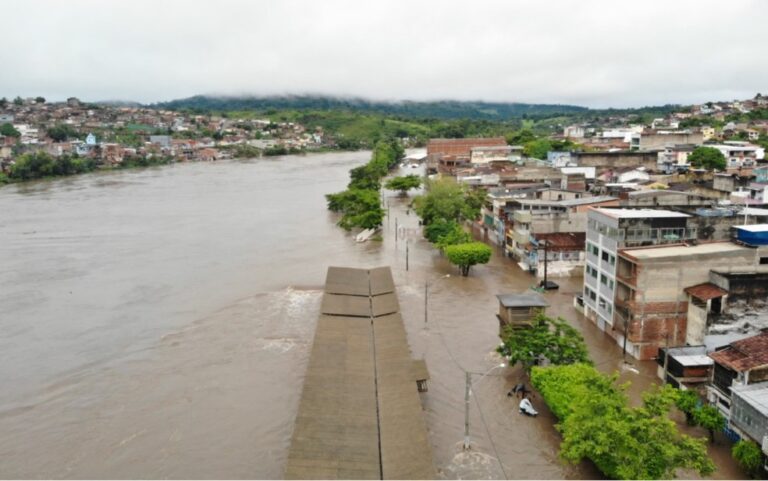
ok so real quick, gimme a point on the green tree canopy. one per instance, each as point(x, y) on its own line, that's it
point(549, 338)
point(404, 183)
point(687, 401)
point(40, 164)
point(40, 100)
point(443, 233)
point(61, 132)
point(18, 101)
point(520, 137)
point(9, 130)
point(597, 423)
point(708, 158)
point(360, 208)
point(537, 148)
point(445, 199)
point(749, 457)
point(467, 255)
point(709, 417)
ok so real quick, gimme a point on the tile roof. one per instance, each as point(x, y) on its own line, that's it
point(745, 354)
point(563, 240)
point(705, 291)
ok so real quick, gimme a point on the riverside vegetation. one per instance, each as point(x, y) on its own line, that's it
point(39, 165)
point(360, 204)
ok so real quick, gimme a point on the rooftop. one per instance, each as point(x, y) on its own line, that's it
point(705, 291)
point(754, 394)
point(638, 213)
point(526, 299)
point(745, 354)
point(753, 228)
point(563, 240)
point(360, 414)
point(678, 250)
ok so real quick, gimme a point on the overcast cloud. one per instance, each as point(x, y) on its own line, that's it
point(593, 53)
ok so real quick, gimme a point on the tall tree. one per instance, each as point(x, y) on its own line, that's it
point(404, 184)
point(467, 255)
point(707, 157)
point(9, 130)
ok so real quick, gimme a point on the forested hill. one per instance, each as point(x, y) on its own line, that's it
point(448, 109)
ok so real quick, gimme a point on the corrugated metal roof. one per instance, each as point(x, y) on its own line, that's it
point(754, 394)
point(694, 359)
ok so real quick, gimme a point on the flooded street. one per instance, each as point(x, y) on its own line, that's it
point(157, 324)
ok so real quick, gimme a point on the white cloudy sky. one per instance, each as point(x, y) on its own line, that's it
point(586, 52)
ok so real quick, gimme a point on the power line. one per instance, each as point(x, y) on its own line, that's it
point(490, 438)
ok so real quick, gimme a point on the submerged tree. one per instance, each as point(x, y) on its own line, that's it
point(549, 338)
point(404, 184)
point(467, 255)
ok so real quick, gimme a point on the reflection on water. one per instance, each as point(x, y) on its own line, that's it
point(157, 323)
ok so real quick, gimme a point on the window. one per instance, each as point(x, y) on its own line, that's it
point(612, 260)
point(603, 279)
point(602, 303)
point(591, 271)
point(592, 295)
point(593, 249)
point(610, 284)
point(605, 256)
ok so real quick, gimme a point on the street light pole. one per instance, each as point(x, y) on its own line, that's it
point(467, 395)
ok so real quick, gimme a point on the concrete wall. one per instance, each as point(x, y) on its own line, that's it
point(661, 306)
point(649, 160)
point(572, 222)
point(659, 141)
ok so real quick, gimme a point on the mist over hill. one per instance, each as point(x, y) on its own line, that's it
point(443, 109)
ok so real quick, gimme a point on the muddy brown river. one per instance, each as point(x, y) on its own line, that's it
point(157, 324)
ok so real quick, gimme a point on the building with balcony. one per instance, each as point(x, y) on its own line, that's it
point(537, 216)
point(609, 230)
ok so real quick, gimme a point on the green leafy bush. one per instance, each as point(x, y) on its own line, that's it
point(597, 423)
point(467, 255)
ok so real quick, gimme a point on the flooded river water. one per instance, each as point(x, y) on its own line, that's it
point(157, 324)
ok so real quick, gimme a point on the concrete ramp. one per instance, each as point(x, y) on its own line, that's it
point(360, 414)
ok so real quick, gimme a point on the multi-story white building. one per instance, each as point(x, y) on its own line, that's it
point(609, 230)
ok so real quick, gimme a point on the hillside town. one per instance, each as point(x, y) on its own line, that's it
point(673, 253)
point(111, 135)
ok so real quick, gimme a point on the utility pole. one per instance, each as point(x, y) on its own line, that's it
point(396, 232)
point(545, 263)
point(406, 255)
point(467, 393)
point(666, 359)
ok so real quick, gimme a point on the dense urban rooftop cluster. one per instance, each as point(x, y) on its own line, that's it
point(673, 250)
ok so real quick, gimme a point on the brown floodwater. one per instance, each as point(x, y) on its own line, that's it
point(157, 324)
